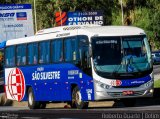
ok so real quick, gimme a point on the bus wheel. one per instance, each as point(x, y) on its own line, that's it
point(32, 104)
point(129, 102)
point(77, 99)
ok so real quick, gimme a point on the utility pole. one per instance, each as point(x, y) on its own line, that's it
point(60, 14)
point(35, 17)
point(122, 12)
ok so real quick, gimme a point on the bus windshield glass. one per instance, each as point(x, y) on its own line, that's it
point(121, 55)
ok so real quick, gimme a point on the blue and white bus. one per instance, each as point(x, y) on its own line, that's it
point(78, 64)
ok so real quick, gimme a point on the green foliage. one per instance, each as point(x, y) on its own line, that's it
point(141, 18)
point(117, 18)
point(157, 84)
point(156, 27)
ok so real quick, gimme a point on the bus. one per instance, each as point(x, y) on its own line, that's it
point(2, 45)
point(79, 64)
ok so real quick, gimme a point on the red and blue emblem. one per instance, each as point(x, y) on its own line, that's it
point(15, 85)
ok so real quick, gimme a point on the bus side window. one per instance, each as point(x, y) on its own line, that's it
point(44, 52)
point(7, 62)
point(10, 56)
point(56, 50)
point(32, 53)
point(84, 54)
point(21, 55)
point(71, 49)
point(34, 59)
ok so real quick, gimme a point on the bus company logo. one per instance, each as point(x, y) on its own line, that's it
point(16, 84)
point(61, 18)
point(116, 83)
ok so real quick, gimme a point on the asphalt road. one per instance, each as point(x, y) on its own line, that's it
point(81, 114)
point(108, 113)
point(144, 109)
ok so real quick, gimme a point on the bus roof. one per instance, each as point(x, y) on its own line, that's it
point(90, 30)
point(114, 30)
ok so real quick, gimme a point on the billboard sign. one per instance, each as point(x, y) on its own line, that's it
point(79, 18)
point(15, 21)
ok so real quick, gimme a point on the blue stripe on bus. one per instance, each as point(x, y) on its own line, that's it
point(136, 81)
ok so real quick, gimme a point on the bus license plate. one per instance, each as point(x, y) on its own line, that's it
point(128, 93)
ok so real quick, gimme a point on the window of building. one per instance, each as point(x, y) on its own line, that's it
point(21, 55)
point(44, 52)
point(10, 56)
point(32, 53)
point(57, 50)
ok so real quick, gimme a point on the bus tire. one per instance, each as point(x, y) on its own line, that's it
point(129, 102)
point(77, 99)
point(32, 104)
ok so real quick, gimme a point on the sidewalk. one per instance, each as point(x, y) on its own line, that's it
point(156, 77)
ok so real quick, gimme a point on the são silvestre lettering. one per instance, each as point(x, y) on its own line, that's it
point(45, 75)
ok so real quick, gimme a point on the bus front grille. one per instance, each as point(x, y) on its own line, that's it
point(120, 94)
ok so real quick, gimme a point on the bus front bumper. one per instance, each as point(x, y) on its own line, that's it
point(119, 93)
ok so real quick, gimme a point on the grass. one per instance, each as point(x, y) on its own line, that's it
point(157, 84)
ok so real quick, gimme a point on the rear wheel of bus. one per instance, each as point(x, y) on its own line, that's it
point(32, 104)
point(77, 99)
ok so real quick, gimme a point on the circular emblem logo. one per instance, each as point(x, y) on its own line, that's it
point(116, 83)
point(16, 84)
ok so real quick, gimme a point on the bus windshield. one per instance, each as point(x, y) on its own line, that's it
point(128, 54)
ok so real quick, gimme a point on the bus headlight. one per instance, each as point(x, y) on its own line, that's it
point(149, 83)
point(102, 85)
point(151, 90)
